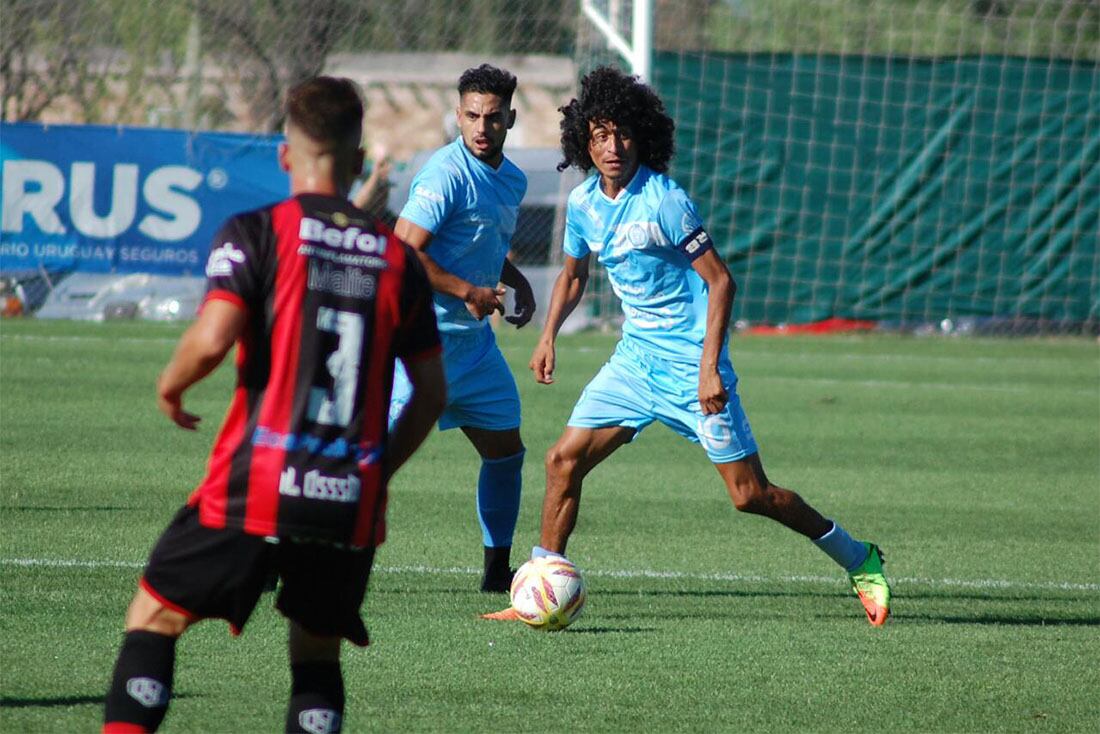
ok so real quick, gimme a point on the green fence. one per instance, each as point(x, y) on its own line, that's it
point(895, 189)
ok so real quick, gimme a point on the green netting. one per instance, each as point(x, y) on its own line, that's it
point(894, 188)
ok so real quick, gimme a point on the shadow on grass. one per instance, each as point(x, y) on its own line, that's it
point(67, 508)
point(610, 630)
point(59, 701)
point(734, 593)
point(1008, 620)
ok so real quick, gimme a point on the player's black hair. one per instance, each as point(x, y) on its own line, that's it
point(487, 79)
point(609, 95)
point(327, 109)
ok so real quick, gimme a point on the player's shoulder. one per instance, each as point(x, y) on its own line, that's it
point(252, 222)
point(514, 175)
point(656, 183)
point(444, 162)
point(585, 190)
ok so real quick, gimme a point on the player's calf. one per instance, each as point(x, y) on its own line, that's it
point(141, 685)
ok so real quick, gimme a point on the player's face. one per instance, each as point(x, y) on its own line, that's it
point(484, 120)
point(613, 150)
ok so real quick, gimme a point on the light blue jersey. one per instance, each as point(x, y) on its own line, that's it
point(646, 238)
point(471, 210)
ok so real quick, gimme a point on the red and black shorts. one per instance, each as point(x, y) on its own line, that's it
point(204, 573)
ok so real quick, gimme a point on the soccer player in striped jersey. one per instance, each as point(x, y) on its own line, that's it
point(319, 299)
point(672, 364)
point(460, 217)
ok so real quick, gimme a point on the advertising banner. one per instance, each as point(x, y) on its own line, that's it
point(100, 199)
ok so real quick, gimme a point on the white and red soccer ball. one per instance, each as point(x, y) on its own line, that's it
point(548, 593)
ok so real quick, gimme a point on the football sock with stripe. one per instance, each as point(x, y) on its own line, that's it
point(316, 698)
point(141, 685)
point(498, 491)
point(842, 548)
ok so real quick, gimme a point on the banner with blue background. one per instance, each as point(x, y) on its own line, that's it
point(126, 200)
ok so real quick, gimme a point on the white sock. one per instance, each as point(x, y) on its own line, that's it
point(842, 548)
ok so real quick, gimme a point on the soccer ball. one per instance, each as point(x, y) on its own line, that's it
point(548, 593)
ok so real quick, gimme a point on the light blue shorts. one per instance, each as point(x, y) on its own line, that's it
point(635, 388)
point(481, 392)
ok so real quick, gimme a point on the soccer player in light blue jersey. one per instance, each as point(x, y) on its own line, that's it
point(672, 363)
point(460, 217)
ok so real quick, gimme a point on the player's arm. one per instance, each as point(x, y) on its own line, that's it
point(479, 301)
point(429, 397)
point(568, 289)
point(200, 350)
point(371, 196)
point(712, 269)
point(524, 296)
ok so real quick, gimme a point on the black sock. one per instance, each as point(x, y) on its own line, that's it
point(142, 683)
point(316, 698)
point(498, 573)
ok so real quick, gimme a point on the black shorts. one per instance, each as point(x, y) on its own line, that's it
point(204, 573)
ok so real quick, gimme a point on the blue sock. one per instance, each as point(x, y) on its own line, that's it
point(498, 490)
point(842, 548)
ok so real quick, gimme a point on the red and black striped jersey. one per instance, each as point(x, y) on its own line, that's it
point(332, 298)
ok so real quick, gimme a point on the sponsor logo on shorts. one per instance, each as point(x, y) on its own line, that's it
point(317, 486)
point(148, 692)
point(221, 260)
point(319, 721)
point(714, 432)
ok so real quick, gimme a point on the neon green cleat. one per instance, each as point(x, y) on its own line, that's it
point(871, 586)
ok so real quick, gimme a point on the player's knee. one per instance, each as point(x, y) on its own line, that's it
point(148, 614)
point(749, 496)
point(560, 463)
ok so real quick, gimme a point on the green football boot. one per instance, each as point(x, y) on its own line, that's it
point(871, 586)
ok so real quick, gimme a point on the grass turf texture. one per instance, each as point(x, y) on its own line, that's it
point(974, 463)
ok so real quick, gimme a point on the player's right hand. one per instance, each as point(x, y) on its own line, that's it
point(542, 363)
point(481, 302)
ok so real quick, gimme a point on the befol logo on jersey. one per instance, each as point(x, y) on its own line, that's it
point(148, 692)
point(314, 230)
point(222, 259)
point(35, 189)
point(320, 721)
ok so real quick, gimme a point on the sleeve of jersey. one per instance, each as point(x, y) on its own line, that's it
point(682, 226)
point(231, 267)
point(431, 198)
point(574, 243)
point(418, 335)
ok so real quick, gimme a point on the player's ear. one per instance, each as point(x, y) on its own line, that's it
point(284, 157)
point(511, 118)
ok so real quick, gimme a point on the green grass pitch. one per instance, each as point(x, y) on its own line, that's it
point(974, 463)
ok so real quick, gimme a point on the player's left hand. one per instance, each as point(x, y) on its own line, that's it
point(712, 394)
point(525, 307)
point(173, 408)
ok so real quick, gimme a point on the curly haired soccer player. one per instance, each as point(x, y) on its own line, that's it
point(460, 217)
point(319, 298)
point(672, 363)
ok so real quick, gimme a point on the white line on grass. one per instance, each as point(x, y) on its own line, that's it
point(630, 574)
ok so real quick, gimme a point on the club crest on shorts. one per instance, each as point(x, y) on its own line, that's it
point(148, 692)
